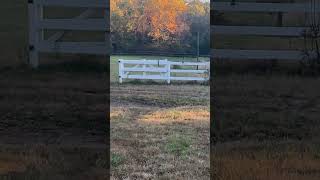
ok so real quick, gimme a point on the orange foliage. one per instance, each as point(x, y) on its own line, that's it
point(114, 6)
point(162, 16)
point(159, 19)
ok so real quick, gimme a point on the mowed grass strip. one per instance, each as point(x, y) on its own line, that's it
point(177, 147)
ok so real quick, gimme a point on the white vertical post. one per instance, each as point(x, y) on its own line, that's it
point(120, 70)
point(33, 33)
point(168, 65)
point(144, 67)
point(208, 69)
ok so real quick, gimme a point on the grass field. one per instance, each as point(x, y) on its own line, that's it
point(270, 127)
point(58, 131)
point(159, 131)
point(52, 127)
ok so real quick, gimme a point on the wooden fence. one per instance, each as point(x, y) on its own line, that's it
point(38, 24)
point(261, 31)
point(163, 70)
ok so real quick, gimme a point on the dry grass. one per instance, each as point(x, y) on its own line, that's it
point(270, 128)
point(152, 138)
point(270, 161)
point(51, 126)
point(192, 115)
point(43, 162)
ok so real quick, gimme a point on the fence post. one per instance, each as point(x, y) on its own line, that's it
point(144, 67)
point(209, 70)
point(168, 65)
point(33, 33)
point(120, 70)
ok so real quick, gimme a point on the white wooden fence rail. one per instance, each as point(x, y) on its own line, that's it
point(263, 31)
point(38, 24)
point(163, 70)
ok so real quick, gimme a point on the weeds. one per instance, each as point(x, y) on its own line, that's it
point(116, 159)
point(178, 145)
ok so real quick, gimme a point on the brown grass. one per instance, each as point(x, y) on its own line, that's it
point(154, 135)
point(193, 115)
point(52, 162)
point(265, 164)
point(270, 128)
point(52, 127)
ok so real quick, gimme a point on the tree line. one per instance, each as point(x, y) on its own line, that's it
point(160, 26)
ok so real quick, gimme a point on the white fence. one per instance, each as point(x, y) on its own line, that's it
point(38, 24)
point(280, 30)
point(163, 70)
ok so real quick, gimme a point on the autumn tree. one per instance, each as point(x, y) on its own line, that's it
point(159, 24)
point(124, 18)
point(162, 19)
point(124, 15)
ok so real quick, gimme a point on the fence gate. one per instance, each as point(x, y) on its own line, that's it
point(163, 70)
point(276, 22)
point(39, 23)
